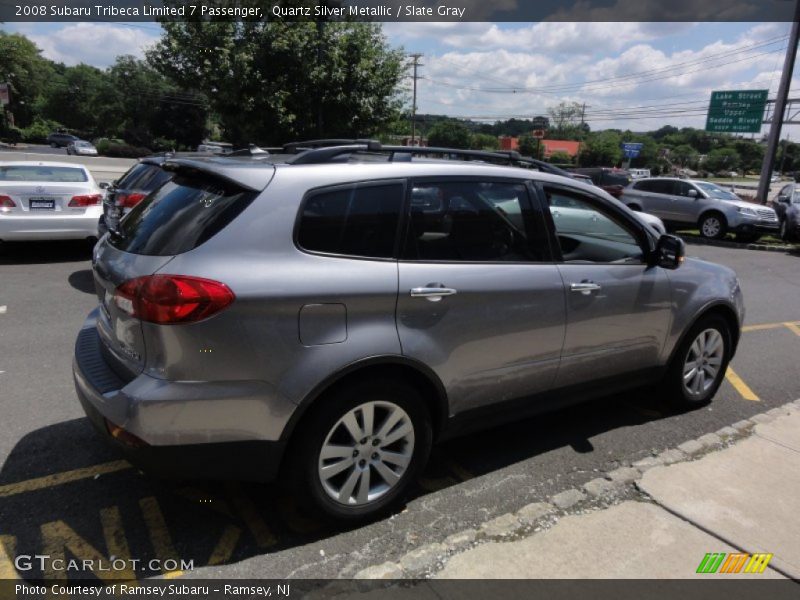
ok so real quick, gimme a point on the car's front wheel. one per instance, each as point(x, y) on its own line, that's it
point(713, 226)
point(358, 452)
point(699, 364)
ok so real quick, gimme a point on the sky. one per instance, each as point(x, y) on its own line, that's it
point(637, 76)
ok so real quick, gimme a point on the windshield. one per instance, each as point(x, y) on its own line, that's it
point(796, 197)
point(83, 144)
point(717, 192)
point(41, 173)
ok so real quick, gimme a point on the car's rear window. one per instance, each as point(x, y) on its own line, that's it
point(144, 177)
point(609, 178)
point(180, 216)
point(42, 173)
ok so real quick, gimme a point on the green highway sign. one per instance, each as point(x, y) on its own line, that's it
point(738, 111)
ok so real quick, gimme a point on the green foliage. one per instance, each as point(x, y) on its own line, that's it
point(269, 82)
point(484, 141)
point(722, 159)
point(684, 156)
point(30, 75)
point(529, 146)
point(37, 131)
point(450, 134)
point(602, 149)
point(560, 157)
point(107, 148)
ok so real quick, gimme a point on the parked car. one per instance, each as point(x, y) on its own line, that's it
point(787, 206)
point(47, 201)
point(60, 140)
point(688, 203)
point(330, 319)
point(81, 148)
point(127, 191)
point(215, 147)
point(611, 180)
point(639, 173)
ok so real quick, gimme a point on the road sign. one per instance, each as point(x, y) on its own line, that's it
point(541, 123)
point(538, 134)
point(738, 111)
point(4, 94)
point(631, 149)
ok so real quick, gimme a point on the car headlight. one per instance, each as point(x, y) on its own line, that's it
point(748, 212)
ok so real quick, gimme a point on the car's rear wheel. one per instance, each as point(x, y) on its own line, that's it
point(355, 456)
point(713, 226)
point(699, 364)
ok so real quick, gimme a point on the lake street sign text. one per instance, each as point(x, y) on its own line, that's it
point(738, 111)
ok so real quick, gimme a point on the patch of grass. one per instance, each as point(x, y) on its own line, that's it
point(768, 240)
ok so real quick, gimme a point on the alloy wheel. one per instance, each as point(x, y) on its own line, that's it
point(711, 227)
point(703, 363)
point(366, 453)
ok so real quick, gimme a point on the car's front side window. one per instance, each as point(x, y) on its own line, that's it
point(588, 231)
point(473, 221)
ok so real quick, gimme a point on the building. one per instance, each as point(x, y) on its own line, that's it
point(550, 146)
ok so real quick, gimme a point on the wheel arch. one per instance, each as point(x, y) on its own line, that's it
point(717, 309)
point(424, 380)
point(712, 211)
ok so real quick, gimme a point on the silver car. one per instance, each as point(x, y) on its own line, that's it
point(702, 204)
point(48, 201)
point(325, 318)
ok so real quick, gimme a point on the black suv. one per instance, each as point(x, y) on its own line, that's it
point(130, 189)
point(611, 180)
point(61, 140)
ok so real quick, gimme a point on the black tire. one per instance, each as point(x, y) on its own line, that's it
point(304, 451)
point(708, 231)
point(748, 238)
point(674, 390)
point(784, 231)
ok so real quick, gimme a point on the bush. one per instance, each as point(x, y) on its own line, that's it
point(38, 131)
point(11, 135)
point(107, 148)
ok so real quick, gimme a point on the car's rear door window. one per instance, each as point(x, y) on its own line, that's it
point(180, 216)
point(353, 220)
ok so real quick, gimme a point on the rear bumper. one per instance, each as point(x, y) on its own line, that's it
point(106, 397)
point(56, 226)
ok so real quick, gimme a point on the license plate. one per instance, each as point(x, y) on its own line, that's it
point(42, 203)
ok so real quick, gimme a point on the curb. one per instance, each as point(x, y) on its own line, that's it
point(602, 491)
point(701, 241)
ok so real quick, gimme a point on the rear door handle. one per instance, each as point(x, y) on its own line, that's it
point(434, 294)
point(585, 287)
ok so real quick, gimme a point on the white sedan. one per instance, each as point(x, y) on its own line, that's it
point(48, 201)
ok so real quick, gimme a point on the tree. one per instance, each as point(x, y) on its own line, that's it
point(30, 75)
point(722, 159)
point(530, 146)
point(602, 149)
point(684, 155)
point(560, 157)
point(566, 121)
point(79, 98)
point(484, 141)
point(270, 81)
point(449, 134)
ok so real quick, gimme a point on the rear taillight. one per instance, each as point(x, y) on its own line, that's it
point(129, 200)
point(86, 200)
point(6, 202)
point(169, 299)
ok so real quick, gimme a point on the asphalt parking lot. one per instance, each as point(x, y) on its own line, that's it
point(64, 492)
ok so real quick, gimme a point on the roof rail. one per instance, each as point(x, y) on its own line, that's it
point(325, 150)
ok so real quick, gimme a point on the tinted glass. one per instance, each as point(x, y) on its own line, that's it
point(180, 216)
point(611, 178)
point(359, 220)
point(589, 232)
point(662, 186)
point(475, 222)
point(645, 186)
point(144, 177)
point(682, 188)
point(41, 173)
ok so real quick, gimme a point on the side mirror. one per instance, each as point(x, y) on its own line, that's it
point(670, 252)
point(784, 199)
point(104, 185)
point(693, 194)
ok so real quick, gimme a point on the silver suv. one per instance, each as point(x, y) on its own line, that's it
point(713, 210)
point(327, 315)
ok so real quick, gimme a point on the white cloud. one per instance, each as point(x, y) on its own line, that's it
point(96, 44)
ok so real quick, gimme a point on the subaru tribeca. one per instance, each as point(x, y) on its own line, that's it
point(324, 317)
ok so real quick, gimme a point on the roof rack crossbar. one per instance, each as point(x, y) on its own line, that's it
point(324, 154)
point(294, 147)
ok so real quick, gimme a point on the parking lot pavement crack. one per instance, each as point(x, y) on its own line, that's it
point(776, 442)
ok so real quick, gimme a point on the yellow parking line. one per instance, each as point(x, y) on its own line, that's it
point(793, 328)
point(741, 387)
point(8, 548)
point(159, 534)
point(764, 326)
point(40, 483)
point(227, 544)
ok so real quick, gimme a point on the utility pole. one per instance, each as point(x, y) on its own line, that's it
point(415, 57)
point(779, 108)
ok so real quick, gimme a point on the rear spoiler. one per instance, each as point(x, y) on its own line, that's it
point(249, 174)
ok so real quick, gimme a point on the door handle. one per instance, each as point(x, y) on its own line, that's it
point(433, 294)
point(585, 287)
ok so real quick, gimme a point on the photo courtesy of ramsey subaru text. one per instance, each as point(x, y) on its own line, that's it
point(324, 313)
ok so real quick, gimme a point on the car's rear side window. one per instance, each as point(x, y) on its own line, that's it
point(354, 220)
point(144, 176)
point(180, 216)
